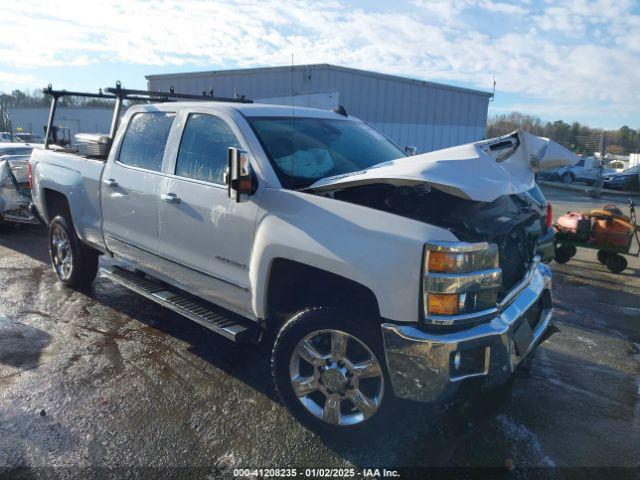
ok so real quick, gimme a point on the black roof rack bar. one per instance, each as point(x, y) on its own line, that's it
point(127, 92)
point(67, 93)
point(119, 94)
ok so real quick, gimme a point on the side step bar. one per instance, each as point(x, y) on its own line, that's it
point(227, 324)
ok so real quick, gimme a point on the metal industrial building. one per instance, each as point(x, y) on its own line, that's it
point(77, 119)
point(423, 114)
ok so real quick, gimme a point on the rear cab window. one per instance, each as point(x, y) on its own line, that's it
point(145, 140)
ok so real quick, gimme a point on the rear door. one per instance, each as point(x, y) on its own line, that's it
point(205, 237)
point(130, 186)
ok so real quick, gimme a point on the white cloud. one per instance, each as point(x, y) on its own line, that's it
point(20, 81)
point(566, 52)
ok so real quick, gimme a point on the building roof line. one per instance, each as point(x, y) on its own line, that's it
point(385, 76)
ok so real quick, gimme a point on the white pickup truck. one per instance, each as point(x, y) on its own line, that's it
point(586, 170)
point(379, 275)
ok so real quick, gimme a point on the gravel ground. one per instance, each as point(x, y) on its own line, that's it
point(108, 379)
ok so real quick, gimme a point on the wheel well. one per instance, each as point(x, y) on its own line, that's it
point(293, 286)
point(55, 203)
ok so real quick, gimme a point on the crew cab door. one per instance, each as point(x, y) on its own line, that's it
point(205, 237)
point(130, 188)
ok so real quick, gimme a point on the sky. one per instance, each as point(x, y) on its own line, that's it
point(575, 60)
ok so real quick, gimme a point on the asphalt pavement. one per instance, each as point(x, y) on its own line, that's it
point(105, 378)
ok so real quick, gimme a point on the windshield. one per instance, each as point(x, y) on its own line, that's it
point(304, 150)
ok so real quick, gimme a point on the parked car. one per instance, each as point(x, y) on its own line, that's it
point(28, 137)
point(6, 137)
point(628, 180)
point(16, 205)
point(379, 275)
point(587, 170)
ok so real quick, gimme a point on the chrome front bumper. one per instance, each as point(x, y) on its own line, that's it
point(427, 366)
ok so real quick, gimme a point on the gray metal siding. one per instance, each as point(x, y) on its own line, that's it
point(77, 119)
point(423, 114)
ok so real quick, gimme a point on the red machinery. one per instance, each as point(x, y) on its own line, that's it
point(607, 230)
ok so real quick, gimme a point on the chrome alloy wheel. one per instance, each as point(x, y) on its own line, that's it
point(336, 377)
point(61, 253)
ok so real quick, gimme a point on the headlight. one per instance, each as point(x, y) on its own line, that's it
point(461, 281)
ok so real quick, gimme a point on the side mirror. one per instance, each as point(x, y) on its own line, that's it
point(240, 179)
point(411, 151)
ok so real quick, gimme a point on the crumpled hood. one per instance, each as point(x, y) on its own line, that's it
point(480, 171)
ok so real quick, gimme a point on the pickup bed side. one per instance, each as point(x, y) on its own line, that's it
point(78, 180)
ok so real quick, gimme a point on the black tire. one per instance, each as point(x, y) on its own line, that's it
point(80, 267)
point(616, 263)
point(314, 321)
point(603, 256)
point(567, 178)
point(564, 253)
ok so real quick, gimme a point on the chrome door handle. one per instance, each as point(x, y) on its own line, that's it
point(170, 198)
point(110, 182)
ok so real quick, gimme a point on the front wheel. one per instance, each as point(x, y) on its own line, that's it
point(603, 256)
point(564, 253)
point(329, 371)
point(75, 264)
point(567, 178)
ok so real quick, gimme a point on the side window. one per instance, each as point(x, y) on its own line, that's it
point(203, 149)
point(580, 163)
point(145, 139)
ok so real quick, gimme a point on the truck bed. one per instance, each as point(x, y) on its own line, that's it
point(74, 177)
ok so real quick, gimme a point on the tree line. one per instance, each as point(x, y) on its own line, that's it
point(37, 99)
point(577, 137)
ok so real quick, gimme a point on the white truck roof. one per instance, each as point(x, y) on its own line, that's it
point(253, 109)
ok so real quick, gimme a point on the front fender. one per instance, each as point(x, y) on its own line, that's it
point(381, 251)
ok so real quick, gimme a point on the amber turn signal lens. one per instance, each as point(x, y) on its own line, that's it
point(443, 303)
point(443, 262)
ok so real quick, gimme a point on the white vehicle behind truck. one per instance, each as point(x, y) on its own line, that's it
point(16, 205)
point(587, 170)
point(379, 275)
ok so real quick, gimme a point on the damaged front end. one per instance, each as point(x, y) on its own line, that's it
point(517, 223)
point(481, 192)
point(486, 300)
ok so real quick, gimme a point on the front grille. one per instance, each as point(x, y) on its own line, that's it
point(516, 252)
point(533, 315)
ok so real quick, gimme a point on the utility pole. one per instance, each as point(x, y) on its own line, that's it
point(597, 191)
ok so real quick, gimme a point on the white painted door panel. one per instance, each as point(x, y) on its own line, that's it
point(206, 239)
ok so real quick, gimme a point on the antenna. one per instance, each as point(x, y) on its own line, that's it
point(493, 93)
point(293, 113)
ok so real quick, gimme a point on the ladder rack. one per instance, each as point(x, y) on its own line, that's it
point(118, 94)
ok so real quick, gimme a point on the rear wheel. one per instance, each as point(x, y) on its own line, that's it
point(616, 263)
point(329, 371)
point(75, 264)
